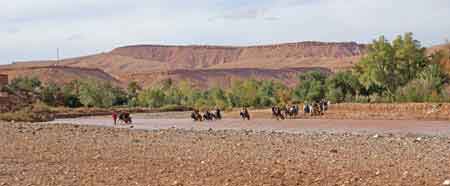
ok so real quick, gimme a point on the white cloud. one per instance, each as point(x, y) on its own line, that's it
point(34, 29)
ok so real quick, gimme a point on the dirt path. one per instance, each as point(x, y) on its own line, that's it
point(176, 120)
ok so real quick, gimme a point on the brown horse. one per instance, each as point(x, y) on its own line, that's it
point(245, 115)
point(196, 116)
point(125, 117)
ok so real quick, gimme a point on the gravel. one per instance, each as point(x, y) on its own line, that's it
point(53, 154)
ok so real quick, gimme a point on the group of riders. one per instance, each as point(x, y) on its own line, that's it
point(121, 117)
point(208, 115)
point(216, 115)
point(315, 108)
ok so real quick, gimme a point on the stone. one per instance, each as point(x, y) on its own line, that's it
point(418, 139)
point(377, 173)
point(446, 182)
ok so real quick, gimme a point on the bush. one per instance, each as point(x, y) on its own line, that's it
point(428, 87)
point(362, 99)
point(100, 94)
point(30, 84)
point(174, 108)
point(37, 113)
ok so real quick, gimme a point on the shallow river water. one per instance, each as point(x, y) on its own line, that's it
point(178, 120)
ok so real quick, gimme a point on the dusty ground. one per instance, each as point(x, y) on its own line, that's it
point(39, 154)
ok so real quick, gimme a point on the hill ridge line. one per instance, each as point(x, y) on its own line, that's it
point(301, 43)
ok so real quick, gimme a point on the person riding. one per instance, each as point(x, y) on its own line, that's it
point(114, 117)
point(218, 114)
point(279, 114)
point(195, 114)
point(245, 114)
point(306, 108)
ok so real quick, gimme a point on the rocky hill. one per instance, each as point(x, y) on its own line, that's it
point(203, 65)
point(59, 74)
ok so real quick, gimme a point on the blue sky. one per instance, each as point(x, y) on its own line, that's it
point(32, 30)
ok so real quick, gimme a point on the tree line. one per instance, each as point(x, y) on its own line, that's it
point(397, 71)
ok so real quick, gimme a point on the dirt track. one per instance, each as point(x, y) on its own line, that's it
point(49, 154)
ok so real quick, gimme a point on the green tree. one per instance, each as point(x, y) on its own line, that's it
point(378, 69)
point(133, 88)
point(409, 57)
point(390, 66)
point(51, 94)
point(217, 98)
point(311, 86)
point(100, 94)
point(427, 87)
point(154, 98)
point(70, 93)
point(244, 93)
point(342, 85)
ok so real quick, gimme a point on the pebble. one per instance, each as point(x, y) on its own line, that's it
point(418, 139)
point(333, 151)
point(405, 173)
point(176, 183)
point(376, 136)
point(446, 182)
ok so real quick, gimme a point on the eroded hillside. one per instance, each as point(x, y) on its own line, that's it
point(202, 65)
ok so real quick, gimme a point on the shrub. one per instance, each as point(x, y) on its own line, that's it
point(36, 113)
point(174, 108)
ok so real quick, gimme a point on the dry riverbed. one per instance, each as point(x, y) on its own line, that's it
point(54, 154)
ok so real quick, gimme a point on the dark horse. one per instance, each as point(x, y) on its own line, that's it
point(218, 114)
point(292, 112)
point(245, 115)
point(209, 116)
point(276, 113)
point(125, 117)
point(196, 116)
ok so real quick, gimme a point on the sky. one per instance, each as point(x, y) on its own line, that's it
point(34, 29)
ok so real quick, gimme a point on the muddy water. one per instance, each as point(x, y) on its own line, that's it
point(178, 120)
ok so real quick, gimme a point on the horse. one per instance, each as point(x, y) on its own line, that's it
point(316, 109)
point(292, 112)
point(244, 114)
point(218, 114)
point(276, 113)
point(306, 108)
point(125, 117)
point(196, 116)
point(323, 106)
point(209, 116)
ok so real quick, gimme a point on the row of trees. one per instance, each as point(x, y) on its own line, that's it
point(397, 71)
point(77, 93)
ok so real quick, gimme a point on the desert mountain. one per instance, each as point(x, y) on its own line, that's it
point(204, 66)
